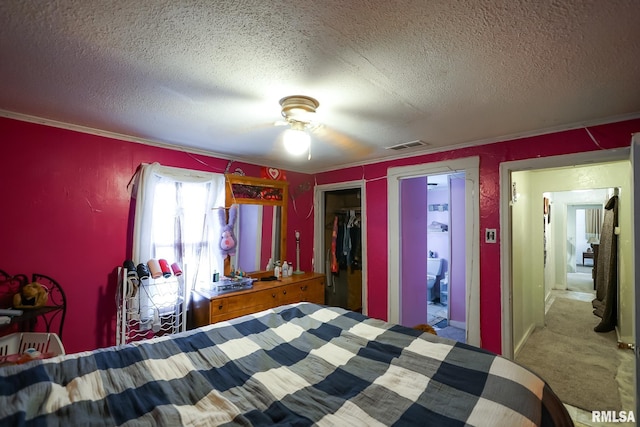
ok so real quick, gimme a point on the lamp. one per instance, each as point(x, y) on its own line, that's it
point(296, 139)
point(593, 241)
point(298, 271)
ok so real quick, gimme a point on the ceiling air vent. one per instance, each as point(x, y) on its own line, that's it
point(412, 144)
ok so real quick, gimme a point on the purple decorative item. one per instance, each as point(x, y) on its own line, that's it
point(228, 238)
point(175, 267)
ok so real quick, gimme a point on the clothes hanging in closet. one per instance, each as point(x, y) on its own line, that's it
point(334, 246)
point(345, 244)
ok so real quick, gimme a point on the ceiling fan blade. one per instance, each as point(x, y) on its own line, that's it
point(260, 126)
point(341, 140)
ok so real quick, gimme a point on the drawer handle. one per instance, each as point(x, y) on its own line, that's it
point(220, 307)
point(273, 295)
point(303, 288)
point(284, 292)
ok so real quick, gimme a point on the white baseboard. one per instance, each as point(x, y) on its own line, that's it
point(523, 341)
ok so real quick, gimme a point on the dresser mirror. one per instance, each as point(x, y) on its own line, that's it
point(261, 223)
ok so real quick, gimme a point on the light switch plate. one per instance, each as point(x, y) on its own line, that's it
point(490, 235)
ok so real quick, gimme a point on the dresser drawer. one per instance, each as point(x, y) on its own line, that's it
point(308, 291)
point(244, 301)
point(313, 291)
point(222, 316)
point(209, 308)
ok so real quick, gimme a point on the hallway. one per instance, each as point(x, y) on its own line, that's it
point(625, 372)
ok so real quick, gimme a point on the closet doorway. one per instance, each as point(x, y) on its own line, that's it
point(339, 244)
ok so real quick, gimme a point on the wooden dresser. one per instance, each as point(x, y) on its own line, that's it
point(208, 307)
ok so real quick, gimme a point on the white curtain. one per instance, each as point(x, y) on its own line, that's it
point(593, 220)
point(175, 220)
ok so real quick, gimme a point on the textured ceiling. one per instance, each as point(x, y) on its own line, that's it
point(208, 75)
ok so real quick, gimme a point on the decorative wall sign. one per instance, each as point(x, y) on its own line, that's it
point(273, 173)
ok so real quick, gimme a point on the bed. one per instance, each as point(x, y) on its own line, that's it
point(300, 364)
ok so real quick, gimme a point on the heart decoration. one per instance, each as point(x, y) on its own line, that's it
point(273, 173)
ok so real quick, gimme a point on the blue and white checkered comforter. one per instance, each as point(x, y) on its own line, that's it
point(299, 365)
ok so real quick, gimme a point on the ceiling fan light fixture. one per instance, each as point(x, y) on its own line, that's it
point(299, 108)
point(296, 140)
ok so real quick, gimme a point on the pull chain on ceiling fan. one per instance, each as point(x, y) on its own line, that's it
point(298, 111)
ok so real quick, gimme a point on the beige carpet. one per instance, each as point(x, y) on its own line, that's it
point(579, 282)
point(579, 364)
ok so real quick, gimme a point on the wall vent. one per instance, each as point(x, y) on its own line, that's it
point(404, 145)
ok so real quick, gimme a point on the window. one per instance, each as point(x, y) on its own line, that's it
point(175, 220)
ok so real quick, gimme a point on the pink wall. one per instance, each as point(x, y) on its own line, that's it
point(491, 156)
point(413, 199)
point(66, 214)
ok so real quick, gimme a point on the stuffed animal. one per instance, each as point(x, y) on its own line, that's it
point(228, 238)
point(425, 328)
point(30, 296)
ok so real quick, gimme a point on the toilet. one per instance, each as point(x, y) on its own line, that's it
point(434, 270)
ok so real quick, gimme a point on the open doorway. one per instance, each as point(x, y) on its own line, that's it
point(546, 239)
point(542, 248)
point(340, 243)
point(343, 243)
point(584, 215)
point(433, 246)
point(424, 267)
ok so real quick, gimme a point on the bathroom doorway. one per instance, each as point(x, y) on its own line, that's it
point(446, 296)
point(408, 280)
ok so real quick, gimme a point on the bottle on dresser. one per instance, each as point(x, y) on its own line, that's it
point(277, 270)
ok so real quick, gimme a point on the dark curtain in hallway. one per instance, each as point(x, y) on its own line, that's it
point(605, 303)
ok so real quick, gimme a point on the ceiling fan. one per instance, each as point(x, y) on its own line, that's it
point(299, 114)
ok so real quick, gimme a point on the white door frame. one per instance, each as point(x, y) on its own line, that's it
point(471, 167)
point(506, 168)
point(318, 229)
point(635, 202)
